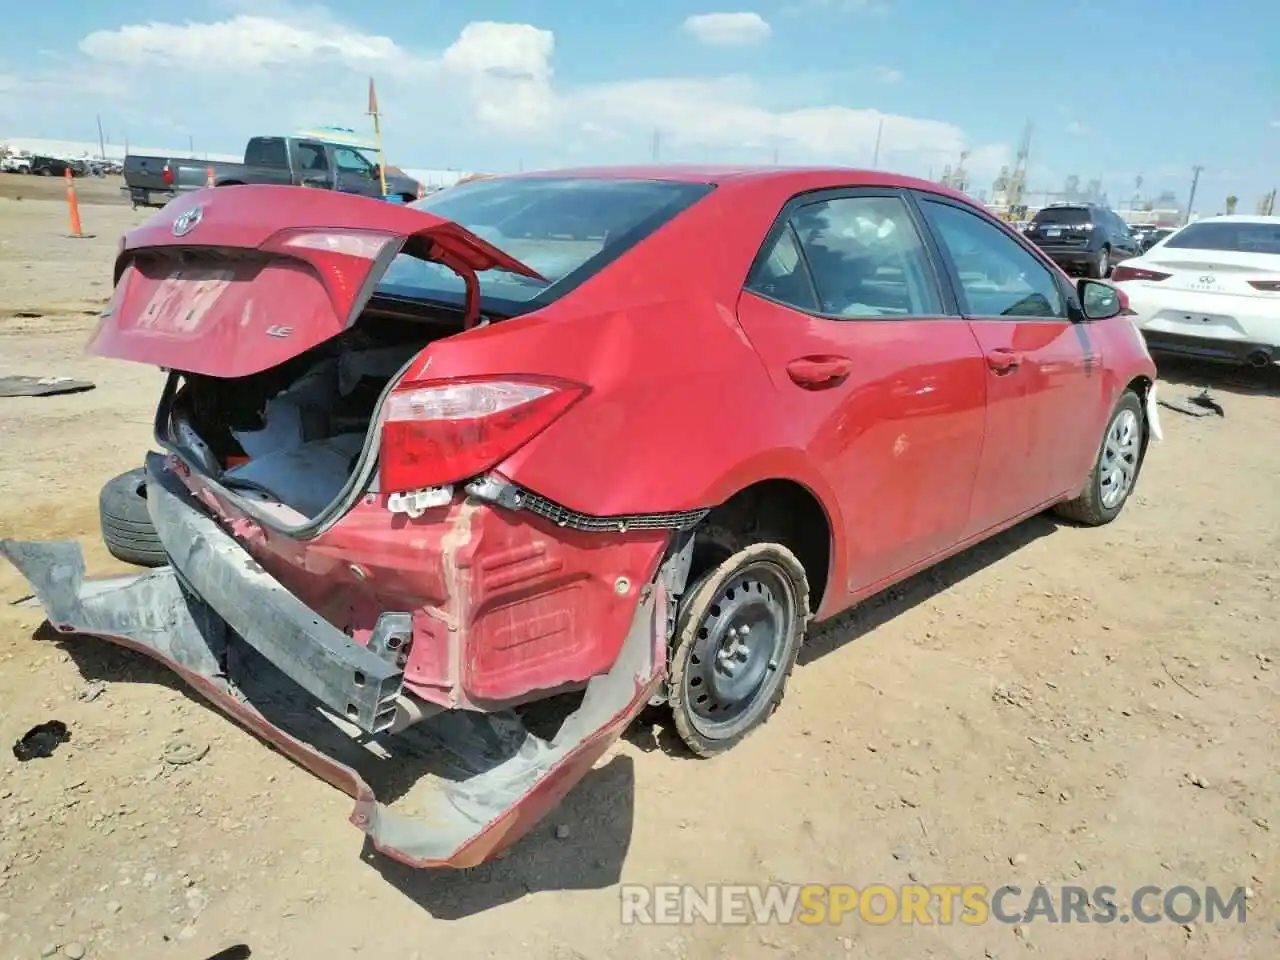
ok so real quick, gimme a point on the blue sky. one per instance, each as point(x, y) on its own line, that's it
point(1115, 90)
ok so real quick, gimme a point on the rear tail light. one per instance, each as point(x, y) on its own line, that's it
point(1122, 273)
point(437, 433)
point(350, 262)
point(1266, 286)
point(167, 175)
point(362, 244)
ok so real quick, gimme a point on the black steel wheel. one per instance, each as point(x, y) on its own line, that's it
point(738, 633)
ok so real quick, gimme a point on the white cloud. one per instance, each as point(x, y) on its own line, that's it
point(887, 75)
point(1076, 128)
point(489, 98)
point(243, 41)
point(728, 29)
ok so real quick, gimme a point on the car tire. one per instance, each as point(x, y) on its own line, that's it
point(1101, 266)
point(127, 529)
point(1123, 443)
point(762, 590)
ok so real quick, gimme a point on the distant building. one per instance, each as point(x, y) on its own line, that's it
point(80, 149)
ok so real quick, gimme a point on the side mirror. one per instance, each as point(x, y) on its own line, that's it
point(1100, 301)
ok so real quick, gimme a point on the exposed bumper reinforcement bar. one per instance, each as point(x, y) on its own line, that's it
point(348, 678)
point(460, 786)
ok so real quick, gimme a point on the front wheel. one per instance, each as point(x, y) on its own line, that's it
point(1115, 470)
point(738, 633)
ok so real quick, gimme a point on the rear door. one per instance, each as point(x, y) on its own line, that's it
point(1043, 373)
point(862, 343)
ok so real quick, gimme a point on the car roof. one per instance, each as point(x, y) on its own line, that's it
point(801, 178)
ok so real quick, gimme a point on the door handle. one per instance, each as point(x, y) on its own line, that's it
point(818, 372)
point(1004, 361)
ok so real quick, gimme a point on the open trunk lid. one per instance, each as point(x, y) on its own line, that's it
point(231, 281)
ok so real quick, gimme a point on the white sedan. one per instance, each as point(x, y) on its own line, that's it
point(1211, 289)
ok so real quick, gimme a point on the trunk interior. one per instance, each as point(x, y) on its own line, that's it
point(289, 438)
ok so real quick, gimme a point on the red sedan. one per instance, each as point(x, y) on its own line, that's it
point(580, 440)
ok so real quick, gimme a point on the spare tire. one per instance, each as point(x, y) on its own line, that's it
point(126, 525)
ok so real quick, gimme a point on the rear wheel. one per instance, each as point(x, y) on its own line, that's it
point(738, 633)
point(1115, 470)
point(1101, 265)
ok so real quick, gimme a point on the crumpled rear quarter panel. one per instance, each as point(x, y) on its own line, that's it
point(505, 605)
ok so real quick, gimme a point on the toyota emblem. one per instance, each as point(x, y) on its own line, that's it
point(187, 221)
point(1206, 279)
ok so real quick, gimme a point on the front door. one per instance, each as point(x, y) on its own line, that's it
point(1043, 373)
point(845, 308)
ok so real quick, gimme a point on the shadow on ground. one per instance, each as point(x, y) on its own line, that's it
point(1192, 376)
point(602, 810)
point(652, 731)
point(601, 807)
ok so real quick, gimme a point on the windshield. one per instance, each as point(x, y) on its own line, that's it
point(565, 229)
point(1234, 237)
point(1066, 215)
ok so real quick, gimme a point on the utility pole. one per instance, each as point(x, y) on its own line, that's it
point(655, 146)
point(875, 157)
point(102, 143)
point(1191, 200)
point(191, 144)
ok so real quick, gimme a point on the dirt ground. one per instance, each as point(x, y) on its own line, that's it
point(1060, 705)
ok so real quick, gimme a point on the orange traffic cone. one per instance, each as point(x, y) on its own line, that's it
point(73, 209)
point(208, 180)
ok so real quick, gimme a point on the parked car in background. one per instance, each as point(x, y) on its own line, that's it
point(54, 166)
point(418, 461)
point(1150, 238)
point(1082, 237)
point(15, 165)
point(299, 161)
point(1210, 289)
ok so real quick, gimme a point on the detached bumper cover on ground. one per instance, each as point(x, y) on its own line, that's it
point(457, 787)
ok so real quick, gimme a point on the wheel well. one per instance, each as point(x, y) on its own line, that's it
point(229, 183)
point(408, 197)
point(1141, 385)
point(781, 511)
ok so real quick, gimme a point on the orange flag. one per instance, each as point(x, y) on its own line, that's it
point(373, 100)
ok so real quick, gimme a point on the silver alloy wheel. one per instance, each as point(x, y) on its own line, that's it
point(1104, 263)
point(1119, 463)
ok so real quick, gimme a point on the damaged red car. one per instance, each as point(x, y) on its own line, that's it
point(450, 492)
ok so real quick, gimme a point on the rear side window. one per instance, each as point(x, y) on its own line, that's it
point(1227, 237)
point(1065, 216)
point(267, 152)
point(998, 277)
point(862, 258)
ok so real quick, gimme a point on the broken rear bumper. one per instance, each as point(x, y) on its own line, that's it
point(461, 786)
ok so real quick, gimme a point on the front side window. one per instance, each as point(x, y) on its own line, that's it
point(998, 277)
point(564, 228)
point(862, 258)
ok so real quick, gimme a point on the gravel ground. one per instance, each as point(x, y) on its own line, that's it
point(1058, 705)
